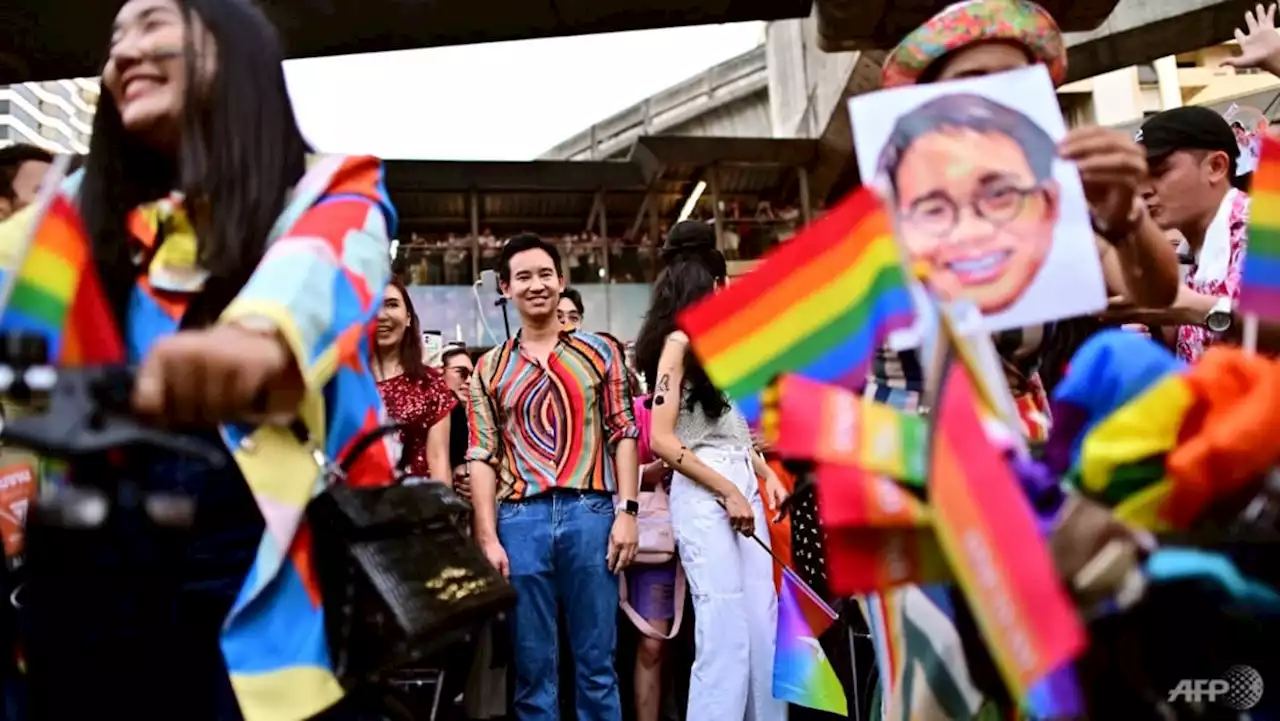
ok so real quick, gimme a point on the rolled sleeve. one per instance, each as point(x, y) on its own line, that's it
point(619, 416)
point(483, 439)
point(318, 284)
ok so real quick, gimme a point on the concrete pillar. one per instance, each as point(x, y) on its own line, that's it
point(1116, 97)
point(1167, 79)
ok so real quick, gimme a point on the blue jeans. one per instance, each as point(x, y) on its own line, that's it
point(556, 544)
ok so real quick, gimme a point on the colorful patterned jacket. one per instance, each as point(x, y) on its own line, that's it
point(320, 283)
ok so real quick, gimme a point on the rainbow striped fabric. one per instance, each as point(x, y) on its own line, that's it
point(802, 674)
point(1260, 278)
point(812, 421)
point(55, 293)
point(324, 269)
point(817, 306)
point(988, 533)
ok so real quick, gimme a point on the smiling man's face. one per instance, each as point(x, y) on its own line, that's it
point(972, 211)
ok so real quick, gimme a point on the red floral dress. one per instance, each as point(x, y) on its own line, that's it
point(418, 405)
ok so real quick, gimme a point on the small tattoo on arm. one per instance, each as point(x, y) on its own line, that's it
point(680, 458)
point(664, 383)
point(659, 400)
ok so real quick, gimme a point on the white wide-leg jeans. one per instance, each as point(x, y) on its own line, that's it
point(734, 600)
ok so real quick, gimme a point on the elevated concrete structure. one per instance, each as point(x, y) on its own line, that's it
point(48, 40)
point(728, 100)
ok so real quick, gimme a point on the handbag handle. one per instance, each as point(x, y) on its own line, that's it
point(640, 622)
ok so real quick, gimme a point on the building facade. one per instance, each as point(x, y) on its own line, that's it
point(56, 114)
point(1124, 97)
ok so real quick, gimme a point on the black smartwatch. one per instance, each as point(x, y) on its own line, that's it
point(630, 507)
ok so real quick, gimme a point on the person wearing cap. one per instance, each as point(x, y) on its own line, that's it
point(970, 39)
point(1192, 153)
point(1194, 190)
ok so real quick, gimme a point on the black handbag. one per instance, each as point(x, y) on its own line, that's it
point(398, 576)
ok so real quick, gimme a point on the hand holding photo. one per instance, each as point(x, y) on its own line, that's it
point(980, 196)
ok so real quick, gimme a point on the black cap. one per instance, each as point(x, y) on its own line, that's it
point(1187, 128)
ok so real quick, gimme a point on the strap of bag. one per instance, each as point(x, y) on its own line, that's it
point(639, 621)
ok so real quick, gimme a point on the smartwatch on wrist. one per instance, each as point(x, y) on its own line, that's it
point(631, 507)
point(1219, 319)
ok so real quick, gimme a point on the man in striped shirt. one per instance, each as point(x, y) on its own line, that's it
point(553, 439)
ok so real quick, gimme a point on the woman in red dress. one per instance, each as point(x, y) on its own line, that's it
point(416, 396)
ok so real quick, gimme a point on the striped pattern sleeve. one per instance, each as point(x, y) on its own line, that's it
point(617, 412)
point(484, 437)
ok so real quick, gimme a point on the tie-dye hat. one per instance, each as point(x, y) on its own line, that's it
point(965, 23)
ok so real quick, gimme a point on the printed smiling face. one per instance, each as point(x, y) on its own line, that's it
point(973, 213)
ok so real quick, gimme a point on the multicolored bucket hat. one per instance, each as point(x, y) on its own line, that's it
point(965, 23)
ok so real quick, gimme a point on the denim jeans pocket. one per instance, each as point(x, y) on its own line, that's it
point(598, 503)
point(508, 510)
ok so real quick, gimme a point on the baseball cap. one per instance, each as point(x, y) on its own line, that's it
point(1187, 128)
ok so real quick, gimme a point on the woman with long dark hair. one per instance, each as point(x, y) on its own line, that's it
point(243, 279)
point(416, 394)
point(715, 499)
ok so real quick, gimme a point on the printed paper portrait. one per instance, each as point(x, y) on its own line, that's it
point(980, 199)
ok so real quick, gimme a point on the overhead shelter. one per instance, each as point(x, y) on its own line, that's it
point(644, 193)
point(47, 40)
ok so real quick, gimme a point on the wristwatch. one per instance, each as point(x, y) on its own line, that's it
point(1219, 318)
point(630, 507)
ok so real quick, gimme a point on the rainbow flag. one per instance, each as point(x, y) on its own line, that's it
point(989, 534)
point(817, 306)
point(812, 421)
point(1260, 279)
point(802, 674)
point(878, 535)
point(55, 292)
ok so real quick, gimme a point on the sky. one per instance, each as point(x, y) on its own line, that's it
point(497, 101)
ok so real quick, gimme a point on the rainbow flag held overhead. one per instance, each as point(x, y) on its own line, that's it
point(1260, 279)
point(817, 306)
point(802, 674)
point(989, 534)
point(813, 421)
point(55, 292)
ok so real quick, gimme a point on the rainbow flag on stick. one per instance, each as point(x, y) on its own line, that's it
point(802, 674)
point(988, 532)
point(55, 292)
point(878, 536)
point(817, 306)
point(1260, 279)
point(827, 424)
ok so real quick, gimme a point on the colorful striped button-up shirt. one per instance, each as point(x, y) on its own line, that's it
point(552, 426)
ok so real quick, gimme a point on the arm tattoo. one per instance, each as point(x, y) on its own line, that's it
point(659, 400)
point(680, 458)
point(664, 383)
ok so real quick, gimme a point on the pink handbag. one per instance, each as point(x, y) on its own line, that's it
point(657, 539)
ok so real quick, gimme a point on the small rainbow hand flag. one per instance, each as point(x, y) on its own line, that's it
point(878, 536)
point(1260, 279)
point(828, 424)
point(802, 674)
point(989, 534)
point(817, 306)
point(55, 292)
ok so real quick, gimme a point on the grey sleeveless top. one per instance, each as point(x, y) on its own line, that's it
point(695, 430)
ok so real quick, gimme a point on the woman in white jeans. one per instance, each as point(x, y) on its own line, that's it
point(716, 506)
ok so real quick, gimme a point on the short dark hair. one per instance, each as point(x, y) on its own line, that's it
point(574, 297)
point(519, 244)
point(451, 350)
point(969, 112)
point(12, 159)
